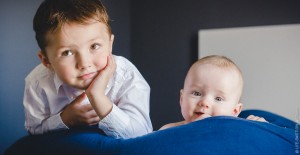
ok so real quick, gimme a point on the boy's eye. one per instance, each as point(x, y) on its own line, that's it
point(95, 46)
point(219, 99)
point(196, 93)
point(67, 53)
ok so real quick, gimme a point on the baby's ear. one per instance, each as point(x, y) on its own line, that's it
point(181, 97)
point(237, 109)
point(44, 60)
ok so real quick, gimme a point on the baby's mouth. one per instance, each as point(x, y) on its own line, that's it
point(199, 113)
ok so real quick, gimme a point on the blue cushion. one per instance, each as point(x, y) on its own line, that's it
point(85, 141)
point(214, 135)
point(270, 117)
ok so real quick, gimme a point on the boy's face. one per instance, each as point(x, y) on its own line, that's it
point(212, 91)
point(77, 53)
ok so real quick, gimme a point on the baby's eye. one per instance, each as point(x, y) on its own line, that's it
point(67, 53)
point(95, 46)
point(196, 93)
point(219, 99)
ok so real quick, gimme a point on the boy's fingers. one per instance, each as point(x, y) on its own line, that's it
point(111, 64)
point(79, 99)
point(88, 107)
point(92, 114)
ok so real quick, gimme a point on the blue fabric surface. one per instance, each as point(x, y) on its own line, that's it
point(80, 141)
point(214, 135)
point(270, 117)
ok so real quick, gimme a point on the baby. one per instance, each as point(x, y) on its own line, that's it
point(213, 87)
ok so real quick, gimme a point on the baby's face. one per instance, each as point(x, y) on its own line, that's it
point(77, 53)
point(210, 91)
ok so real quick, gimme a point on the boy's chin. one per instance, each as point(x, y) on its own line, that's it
point(82, 86)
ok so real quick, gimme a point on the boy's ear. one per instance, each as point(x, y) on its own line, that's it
point(44, 60)
point(237, 109)
point(112, 37)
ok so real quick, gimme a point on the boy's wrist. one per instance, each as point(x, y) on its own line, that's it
point(65, 120)
point(101, 104)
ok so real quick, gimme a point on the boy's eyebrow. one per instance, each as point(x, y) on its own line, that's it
point(95, 39)
point(72, 45)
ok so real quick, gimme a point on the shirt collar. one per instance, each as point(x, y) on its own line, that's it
point(57, 82)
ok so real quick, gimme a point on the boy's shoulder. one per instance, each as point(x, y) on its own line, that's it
point(124, 65)
point(40, 72)
point(122, 62)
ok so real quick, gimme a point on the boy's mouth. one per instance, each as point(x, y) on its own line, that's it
point(88, 76)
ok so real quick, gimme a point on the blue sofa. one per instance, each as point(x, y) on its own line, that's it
point(214, 135)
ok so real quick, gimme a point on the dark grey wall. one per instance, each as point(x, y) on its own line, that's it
point(119, 13)
point(164, 39)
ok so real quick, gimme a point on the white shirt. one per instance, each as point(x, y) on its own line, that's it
point(46, 95)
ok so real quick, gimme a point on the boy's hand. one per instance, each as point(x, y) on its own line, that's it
point(77, 114)
point(99, 84)
point(256, 118)
point(96, 91)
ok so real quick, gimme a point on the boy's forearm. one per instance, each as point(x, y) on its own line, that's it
point(50, 124)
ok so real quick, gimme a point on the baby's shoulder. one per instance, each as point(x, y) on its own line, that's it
point(172, 125)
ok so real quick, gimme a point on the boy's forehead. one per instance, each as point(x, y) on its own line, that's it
point(70, 26)
point(70, 31)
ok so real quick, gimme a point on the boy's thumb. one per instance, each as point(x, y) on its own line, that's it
point(79, 99)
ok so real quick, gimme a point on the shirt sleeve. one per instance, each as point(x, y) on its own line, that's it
point(130, 113)
point(37, 114)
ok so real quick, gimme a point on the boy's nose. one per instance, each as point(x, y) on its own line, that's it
point(83, 62)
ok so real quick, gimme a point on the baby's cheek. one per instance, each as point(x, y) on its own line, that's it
point(221, 111)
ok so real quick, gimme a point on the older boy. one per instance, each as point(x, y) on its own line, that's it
point(78, 67)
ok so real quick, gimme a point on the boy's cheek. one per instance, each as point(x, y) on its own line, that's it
point(102, 63)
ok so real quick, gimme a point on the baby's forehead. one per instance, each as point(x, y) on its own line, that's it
point(199, 70)
point(197, 67)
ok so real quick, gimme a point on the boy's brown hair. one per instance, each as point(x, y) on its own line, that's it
point(53, 14)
